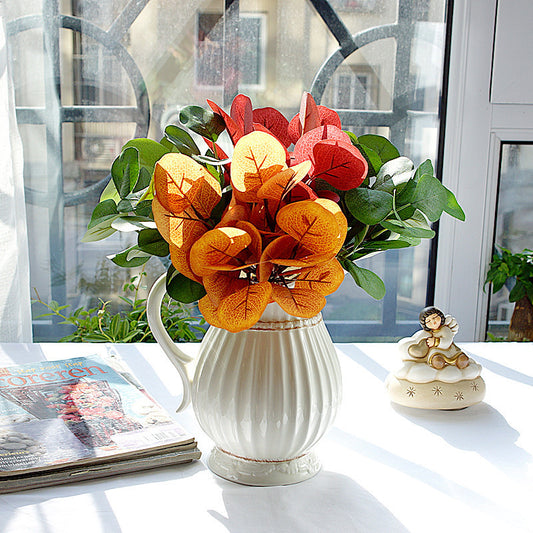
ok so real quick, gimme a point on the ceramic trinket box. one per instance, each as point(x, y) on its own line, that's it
point(436, 373)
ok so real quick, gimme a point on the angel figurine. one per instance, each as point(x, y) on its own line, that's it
point(434, 343)
point(436, 373)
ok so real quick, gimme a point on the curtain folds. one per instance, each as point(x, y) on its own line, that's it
point(15, 306)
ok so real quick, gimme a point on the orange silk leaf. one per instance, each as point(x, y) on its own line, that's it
point(180, 182)
point(333, 207)
point(256, 246)
point(222, 284)
point(278, 186)
point(286, 251)
point(256, 158)
point(303, 303)
point(209, 311)
point(180, 259)
point(282, 247)
point(217, 248)
point(312, 225)
point(182, 230)
point(242, 309)
point(233, 213)
point(324, 278)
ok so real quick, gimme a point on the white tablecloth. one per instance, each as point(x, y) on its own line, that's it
point(385, 468)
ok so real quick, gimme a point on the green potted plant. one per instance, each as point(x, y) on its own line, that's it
point(515, 268)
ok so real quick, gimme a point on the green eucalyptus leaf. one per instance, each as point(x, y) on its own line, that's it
point(125, 206)
point(368, 206)
point(386, 245)
point(202, 121)
point(183, 289)
point(211, 160)
point(129, 258)
point(430, 197)
point(150, 241)
point(132, 223)
point(380, 145)
point(406, 212)
point(425, 168)
point(144, 209)
point(145, 177)
point(406, 194)
point(353, 137)
point(125, 171)
point(110, 192)
point(102, 229)
point(452, 206)
point(181, 140)
point(359, 233)
point(372, 158)
point(370, 282)
point(150, 152)
point(103, 209)
point(135, 253)
point(407, 229)
point(169, 146)
point(386, 185)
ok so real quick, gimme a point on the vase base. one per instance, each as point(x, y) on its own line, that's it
point(263, 473)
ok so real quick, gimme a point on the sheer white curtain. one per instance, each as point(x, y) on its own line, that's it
point(15, 311)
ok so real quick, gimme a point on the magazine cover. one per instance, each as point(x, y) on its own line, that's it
point(77, 411)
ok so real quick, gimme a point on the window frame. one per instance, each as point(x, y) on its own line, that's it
point(475, 131)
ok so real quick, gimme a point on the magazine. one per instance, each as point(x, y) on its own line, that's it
point(79, 418)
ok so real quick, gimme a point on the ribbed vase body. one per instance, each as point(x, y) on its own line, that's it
point(269, 393)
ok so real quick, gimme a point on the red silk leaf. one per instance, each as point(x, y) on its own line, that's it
point(275, 122)
point(303, 150)
point(339, 163)
point(241, 113)
point(302, 191)
point(330, 195)
point(234, 130)
point(327, 117)
point(309, 119)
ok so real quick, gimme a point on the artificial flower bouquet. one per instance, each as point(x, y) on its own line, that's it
point(280, 218)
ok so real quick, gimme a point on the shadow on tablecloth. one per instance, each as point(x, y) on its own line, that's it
point(328, 503)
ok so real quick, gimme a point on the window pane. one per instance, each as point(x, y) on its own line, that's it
point(163, 54)
point(514, 223)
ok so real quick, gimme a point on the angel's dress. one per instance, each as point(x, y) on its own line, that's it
point(415, 348)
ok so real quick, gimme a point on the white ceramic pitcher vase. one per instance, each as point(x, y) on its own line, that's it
point(265, 395)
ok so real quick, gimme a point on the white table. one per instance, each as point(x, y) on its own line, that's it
point(385, 468)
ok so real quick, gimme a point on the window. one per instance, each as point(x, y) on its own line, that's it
point(109, 71)
point(514, 222)
point(248, 47)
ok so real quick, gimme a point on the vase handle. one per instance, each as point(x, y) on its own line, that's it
point(177, 356)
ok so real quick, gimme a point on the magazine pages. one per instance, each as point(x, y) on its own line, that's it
point(79, 418)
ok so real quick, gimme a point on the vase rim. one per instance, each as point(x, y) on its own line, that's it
point(274, 317)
